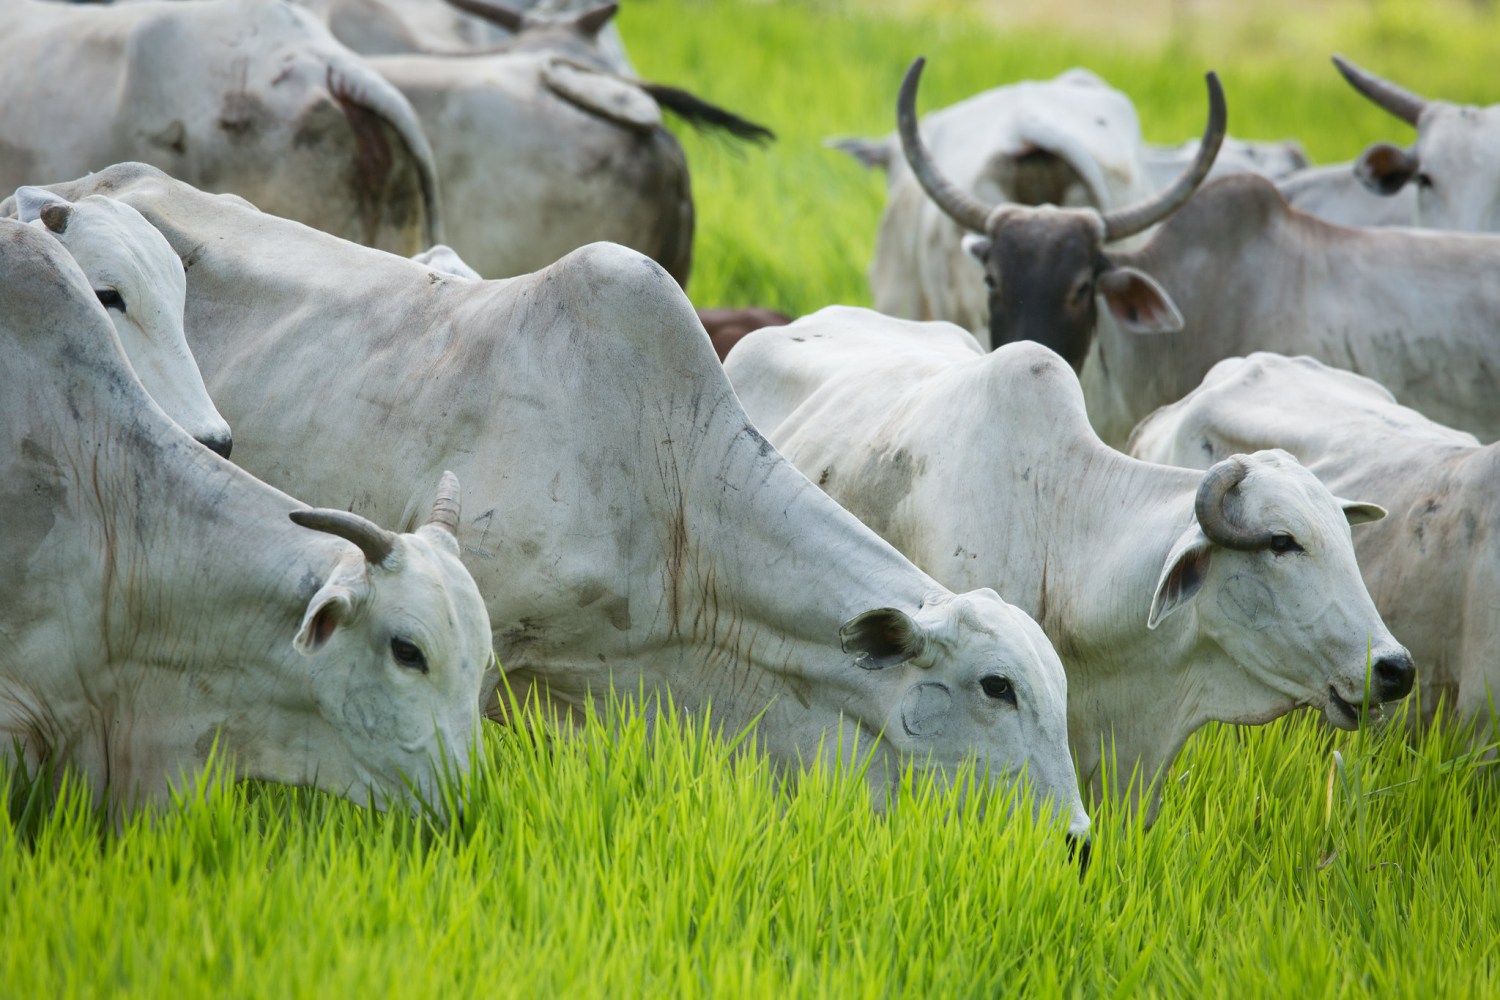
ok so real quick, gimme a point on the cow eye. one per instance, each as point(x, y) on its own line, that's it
point(110, 299)
point(1282, 543)
point(989, 281)
point(408, 655)
point(1424, 181)
point(998, 687)
point(1082, 292)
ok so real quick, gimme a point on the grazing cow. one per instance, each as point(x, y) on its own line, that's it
point(1073, 140)
point(1174, 598)
point(1451, 166)
point(140, 282)
point(1432, 566)
point(530, 169)
point(1414, 309)
point(248, 96)
point(665, 543)
point(582, 151)
point(157, 603)
point(1046, 267)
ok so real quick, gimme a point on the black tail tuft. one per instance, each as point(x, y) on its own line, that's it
point(705, 116)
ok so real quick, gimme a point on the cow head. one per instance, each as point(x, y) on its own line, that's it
point(1046, 267)
point(140, 282)
point(399, 642)
point(1268, 567)
point(1451, 163)
point(974, 679)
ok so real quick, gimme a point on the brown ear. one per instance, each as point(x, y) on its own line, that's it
point(1385, 169)
point(55, 216)
point(1137, 302)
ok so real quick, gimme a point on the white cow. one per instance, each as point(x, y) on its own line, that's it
point(393, 27)
point(1432, 566)
point(158, 606)
point(1173, 598)
point(1272, 160)
point(140, 282)
point(543, 146)
point(538, 156)
point(249, 96)
point(1446, 180)
point(1334, 194)
point(665, 543)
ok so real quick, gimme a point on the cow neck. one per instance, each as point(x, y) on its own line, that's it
point(747, 608)
point(1102, 547)
point(198, 590)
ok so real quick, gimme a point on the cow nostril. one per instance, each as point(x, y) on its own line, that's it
point(218, 445)
point(1393, 677)
point(1079, 849)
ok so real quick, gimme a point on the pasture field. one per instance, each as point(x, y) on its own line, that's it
point(667, 861)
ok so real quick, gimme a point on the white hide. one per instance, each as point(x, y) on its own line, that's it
point(133, 270)
point(158, 605)
point(983, 469)
point(395, 27)
point(1334, 194)
point(1272, 160)
point(528, 173)
point(1432, 565)
point(445, 260)
point(985, 145)
point(253, 97)
point(662, 543)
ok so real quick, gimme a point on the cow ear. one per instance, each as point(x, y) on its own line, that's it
point(1182, 575)
point(330, 607)
point(1137, 302)
point(977, 246)
point(1384, 169)
point(884, 638)
point(1358, 512)
point(593, 20)
point(32, 203)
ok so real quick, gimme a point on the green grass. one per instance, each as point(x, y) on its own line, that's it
point(626, 862)
point(633, 862)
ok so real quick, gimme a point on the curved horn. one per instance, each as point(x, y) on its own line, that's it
point(1209, 508)
point(445, 506)
point(958, 205)
point(374, 541)
point(512, 21)
point(1397, 100)
point(1131, 219)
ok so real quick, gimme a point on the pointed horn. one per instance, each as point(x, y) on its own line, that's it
point(445, 506)
point(1128, 221)
point(511, 20)
point(1397, 100)
point(374, 541)
point(957, 204)
point(1209, 508)
point(593, 20)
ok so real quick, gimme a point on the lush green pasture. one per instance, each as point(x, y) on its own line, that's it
point(1287, 860)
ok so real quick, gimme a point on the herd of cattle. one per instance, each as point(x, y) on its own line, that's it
point(819, 535)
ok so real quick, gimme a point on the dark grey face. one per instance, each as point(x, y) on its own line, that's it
point(1041, 272)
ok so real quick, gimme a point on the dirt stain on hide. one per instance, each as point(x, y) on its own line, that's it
point(888, 479)
point(31, 494)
